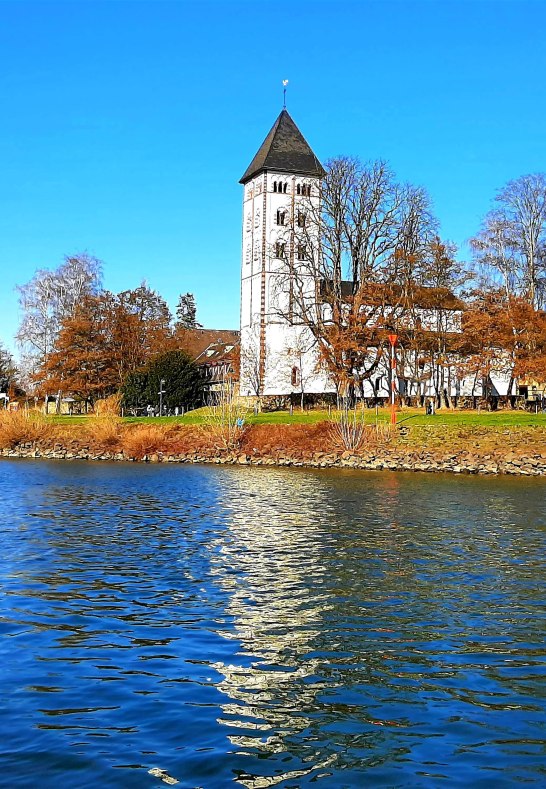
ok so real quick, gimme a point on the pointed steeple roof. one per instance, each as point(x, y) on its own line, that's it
point(285, 150)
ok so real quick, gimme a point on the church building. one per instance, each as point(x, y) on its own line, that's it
point(281, 181)
point(279, 355)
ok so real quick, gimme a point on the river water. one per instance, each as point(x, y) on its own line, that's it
point(265, 627)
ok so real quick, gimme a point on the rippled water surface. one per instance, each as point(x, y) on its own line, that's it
point(269, 627)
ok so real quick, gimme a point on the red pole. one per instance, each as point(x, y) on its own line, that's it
point(392, 339)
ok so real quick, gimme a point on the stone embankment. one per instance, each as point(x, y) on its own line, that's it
point(389, 458)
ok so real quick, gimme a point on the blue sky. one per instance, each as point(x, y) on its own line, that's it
point(126, 125)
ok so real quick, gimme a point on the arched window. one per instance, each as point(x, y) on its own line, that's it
point(279, 249)
point(298, 189)
point(301, 219)
point(274, 186)
point(302, 252)
point(295, 377)
point(257, 218)
point(284, 188)
point(281, 217)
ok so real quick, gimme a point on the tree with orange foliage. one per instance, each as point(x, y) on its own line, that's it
point(140, 328)
point(107, 337)
point(82, 361)
point(506, 336)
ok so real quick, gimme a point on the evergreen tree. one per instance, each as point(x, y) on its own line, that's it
point(186, 312)
point(183, 385)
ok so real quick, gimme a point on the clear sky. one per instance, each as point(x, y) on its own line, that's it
point(125, 126)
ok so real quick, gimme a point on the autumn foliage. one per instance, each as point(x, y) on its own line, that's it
point(103, 340)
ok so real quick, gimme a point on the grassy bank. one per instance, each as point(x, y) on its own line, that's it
point(407, 416)
point(471, 437)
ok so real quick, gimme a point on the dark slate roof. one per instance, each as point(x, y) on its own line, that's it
point(286, 150)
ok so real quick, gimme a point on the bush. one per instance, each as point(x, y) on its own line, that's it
point(109, 406)
point(104, 431)
point(19, 427)
point(142, 440)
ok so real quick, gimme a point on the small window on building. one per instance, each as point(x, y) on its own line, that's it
point(257, 218)
point(281, 216)
point(302, 252)
point(295, 377)
point(256, 253)
point(248, 223)
point(274, 186)
point(298, 189)
point(247, 255)
point(301, 219)
point(279, 249)
point(285, 188)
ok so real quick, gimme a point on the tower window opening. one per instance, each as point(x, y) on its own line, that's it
point(305, 190)
point(298, 189)
point(248, 254)
point(257, 218)
point(284, 188)
point(275, 186)
point(295, 377)
point(279, 249)
point(281, 216)
point(301, 219)
point(302, 252)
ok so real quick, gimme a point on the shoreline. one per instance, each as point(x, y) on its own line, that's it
point(392, 459)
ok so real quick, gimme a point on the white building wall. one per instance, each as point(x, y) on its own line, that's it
point(268, 339)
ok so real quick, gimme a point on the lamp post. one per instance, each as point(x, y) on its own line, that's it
point(392, 339)
point(161, 393)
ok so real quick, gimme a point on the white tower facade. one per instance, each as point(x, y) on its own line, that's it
point(281, 187)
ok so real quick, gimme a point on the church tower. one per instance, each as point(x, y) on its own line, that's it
point(280, 184)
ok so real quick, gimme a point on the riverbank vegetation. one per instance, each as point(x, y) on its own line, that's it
point(486, 447)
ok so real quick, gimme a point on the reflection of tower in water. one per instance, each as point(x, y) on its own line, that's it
point(269, 561)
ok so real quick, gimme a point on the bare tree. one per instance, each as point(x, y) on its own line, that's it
point(50, 297)
point(250, 366)
point(295, 359)
point(347, 258)
point(512, 240)
point(8, 370)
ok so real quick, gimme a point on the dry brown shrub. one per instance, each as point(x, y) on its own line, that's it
point(273, 439)
point(140, 440)
point(110, 406)
point(104, 431)
point(20, 427)
point(184, 439)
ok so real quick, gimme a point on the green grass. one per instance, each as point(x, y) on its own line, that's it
point(409, 416)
